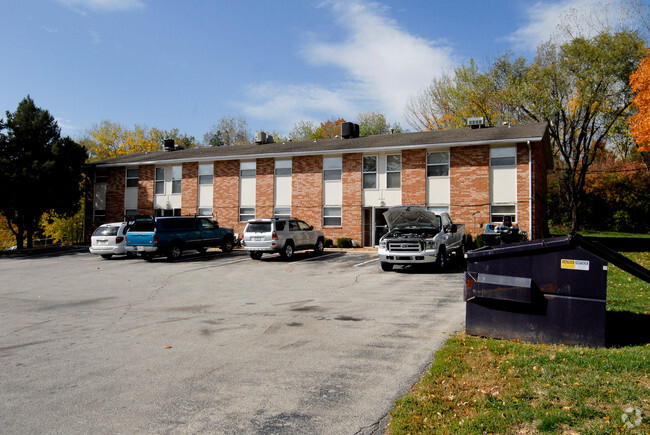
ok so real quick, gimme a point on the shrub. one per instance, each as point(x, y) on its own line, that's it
point(344, 242)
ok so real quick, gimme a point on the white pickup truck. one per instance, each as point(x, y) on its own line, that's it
point(418, 236)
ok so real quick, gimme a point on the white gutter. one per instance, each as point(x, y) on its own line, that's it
point(323, 152)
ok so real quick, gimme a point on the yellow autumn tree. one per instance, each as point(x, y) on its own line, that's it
point(640, 123)
point(110, 139)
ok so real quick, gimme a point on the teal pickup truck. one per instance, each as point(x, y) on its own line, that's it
point(171, 236)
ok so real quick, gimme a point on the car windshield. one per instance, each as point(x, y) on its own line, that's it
point(259, 227)
point(106, 231)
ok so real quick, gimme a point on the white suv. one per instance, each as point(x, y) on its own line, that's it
point(283, 236)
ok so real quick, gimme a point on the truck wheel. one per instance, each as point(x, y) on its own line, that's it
point(107, 256)
point(319, 247)
point(255, 255)
point(287, 251)
point(441, 260)
point(227, 244)
point(175, 251)
point(386, 267)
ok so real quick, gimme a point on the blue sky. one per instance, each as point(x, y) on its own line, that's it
point(187, 64)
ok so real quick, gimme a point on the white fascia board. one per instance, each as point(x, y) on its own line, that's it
point(328, 152)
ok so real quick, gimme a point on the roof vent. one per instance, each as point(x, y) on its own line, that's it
point(169, 145)
point(349, 130)
point(261, 138)
point(477, 122)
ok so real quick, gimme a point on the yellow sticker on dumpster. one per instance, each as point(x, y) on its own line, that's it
point(575, 264)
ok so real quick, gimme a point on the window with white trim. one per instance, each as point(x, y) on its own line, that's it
point(503, 156)
point(204, 211)
point(438, 164)
point(332, 168)
point(177, 179)
point(393, 171)
point(206, 173)
point(282, 212)
point(132, 177)
point(437, 209)
point(246, 213)
point(369, 172)
point(332, 216)
point(247, 169)
point(282, 167)
point(498, 212)
point(159, 183)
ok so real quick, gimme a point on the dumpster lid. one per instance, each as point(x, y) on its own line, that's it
point(572, 240)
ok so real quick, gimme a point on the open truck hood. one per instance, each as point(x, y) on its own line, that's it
point(410, 217)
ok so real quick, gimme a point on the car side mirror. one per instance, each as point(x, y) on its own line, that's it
point(311, 227)
point(216, 224)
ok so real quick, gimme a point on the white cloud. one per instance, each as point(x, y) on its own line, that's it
point(582, 17)
point(382, 67)
point(103, 5)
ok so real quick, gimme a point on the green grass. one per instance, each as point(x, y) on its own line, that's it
point(480, 385)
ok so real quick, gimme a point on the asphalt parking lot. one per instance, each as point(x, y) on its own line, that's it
point(217, 343)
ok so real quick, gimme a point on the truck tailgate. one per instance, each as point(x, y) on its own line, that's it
point(139, 239)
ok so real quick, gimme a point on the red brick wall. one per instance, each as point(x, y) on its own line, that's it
point(115, 195)
point(307, 189)
point(351, 211)
point(225, 200)
point(190, 189)
point(523, 188)
point(264, 186)
point(414, 177)
point(469, 177)
point(145, 189)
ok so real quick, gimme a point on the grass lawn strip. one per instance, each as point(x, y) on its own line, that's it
point(480, 385)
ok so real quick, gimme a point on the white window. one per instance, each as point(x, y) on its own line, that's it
point(332, 168)
point(130, 212)
point(205, 211)
point(499, 212)
point(393, 171)
point(283, 167)
point(160, 181)
point(247, 169)
point(177, 179)
point(438, 164)
point(282, 212)
point(437, 209)
point(369, 172)
point(164, 212)
point(131, 178)
point(332, 216)
point(206, 173)
point(503, 156)
point(246, 213)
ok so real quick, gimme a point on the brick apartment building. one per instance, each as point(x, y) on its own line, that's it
point(340, 185)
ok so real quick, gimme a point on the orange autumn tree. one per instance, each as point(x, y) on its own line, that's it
point(329, 129)
point(640, 123)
